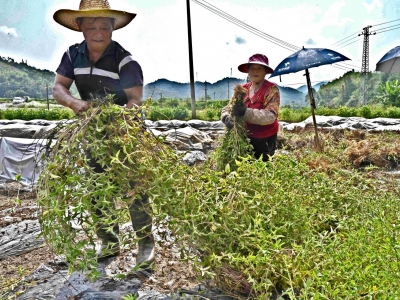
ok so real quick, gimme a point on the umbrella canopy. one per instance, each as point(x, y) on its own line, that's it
point(304, 60)
point(390, 62)
point(308, 58)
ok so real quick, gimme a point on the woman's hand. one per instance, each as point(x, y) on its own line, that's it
point(239, 109)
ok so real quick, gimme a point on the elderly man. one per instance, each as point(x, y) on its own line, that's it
point(100, 66)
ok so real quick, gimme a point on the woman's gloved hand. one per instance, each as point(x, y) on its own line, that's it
point(239, 109)
point(228, 121)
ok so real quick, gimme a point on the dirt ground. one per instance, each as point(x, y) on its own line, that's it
point(170, 273)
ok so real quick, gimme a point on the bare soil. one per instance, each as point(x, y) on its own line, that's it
point(170, 272)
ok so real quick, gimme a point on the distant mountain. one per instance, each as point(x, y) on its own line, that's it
point(290, 96)
point(318, 85)
point(172, 89)
point(304, 88)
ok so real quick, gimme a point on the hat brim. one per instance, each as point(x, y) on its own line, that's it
point(67, 17)
point(244, 67)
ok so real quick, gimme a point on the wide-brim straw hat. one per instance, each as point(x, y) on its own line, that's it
point(259, 59)
point(92, 9)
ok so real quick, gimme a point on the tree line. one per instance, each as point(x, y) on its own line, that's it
point(18, 79)
point(354, 89)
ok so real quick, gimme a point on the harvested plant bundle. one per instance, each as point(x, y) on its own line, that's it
point(234, 143)
point(70, 191)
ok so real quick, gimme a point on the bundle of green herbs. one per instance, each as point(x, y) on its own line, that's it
point(234, 143)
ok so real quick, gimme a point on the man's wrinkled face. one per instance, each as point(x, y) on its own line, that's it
point(97, 32)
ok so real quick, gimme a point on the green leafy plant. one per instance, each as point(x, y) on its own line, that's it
point(297, 224)
point(234, 143)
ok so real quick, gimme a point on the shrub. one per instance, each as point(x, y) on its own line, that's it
point(180, 113)
point(172, 102)
point(393, 112)
point(157, 113)
point(365, 112)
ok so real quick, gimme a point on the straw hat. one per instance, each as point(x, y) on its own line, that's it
point(92, 9)
point(259, 59)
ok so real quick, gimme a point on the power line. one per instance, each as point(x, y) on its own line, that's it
point(388, 30)
point(349, 44)
point(237, 20)
point(249, 28)
point(253, 30)
point(386, 23)
point(303, 83)
point(387, 27)
point(347, 41)
point(344, 38)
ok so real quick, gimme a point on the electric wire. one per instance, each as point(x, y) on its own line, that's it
point(387, 30)
point(380, 29)
point(350, 43)
point(253, 30)
point(345, 38)
point(270, 36)
point(386, 22)
point(347, 41)
point(249, 28)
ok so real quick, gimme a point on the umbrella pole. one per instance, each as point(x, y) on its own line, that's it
point(312, 103)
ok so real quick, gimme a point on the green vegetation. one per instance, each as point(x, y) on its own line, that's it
point(346, 90)
point(20, 79)
point(310, 225)
point(28, 114)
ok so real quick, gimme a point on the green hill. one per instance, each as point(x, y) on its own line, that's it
point(20, 79)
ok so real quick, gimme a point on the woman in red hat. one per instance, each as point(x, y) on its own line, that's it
point(260, 108)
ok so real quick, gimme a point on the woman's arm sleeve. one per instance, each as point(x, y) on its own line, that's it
point(269, 113)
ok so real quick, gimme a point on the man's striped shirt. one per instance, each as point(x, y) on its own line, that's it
point(113, 72)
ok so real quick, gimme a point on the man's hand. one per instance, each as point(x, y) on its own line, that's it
point(228, 121)
point(79, 106)
point(239, 109)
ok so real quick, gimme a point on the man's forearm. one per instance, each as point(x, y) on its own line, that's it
point(63, 96)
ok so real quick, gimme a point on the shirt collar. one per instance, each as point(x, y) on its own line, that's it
point(82, 48)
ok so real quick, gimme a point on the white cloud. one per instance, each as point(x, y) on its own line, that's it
point(11, 32)
point(375, 5)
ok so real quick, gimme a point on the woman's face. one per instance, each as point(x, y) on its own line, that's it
point(257, 73)
point(97, 32)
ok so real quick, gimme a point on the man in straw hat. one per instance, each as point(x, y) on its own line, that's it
point(260, 107)
point(100, 66)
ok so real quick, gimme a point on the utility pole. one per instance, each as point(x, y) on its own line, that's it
point(342, 94)
point(214, 95)
point(205, 92)
point(192, 93)
point(47, 96)
point(160, 99)
point(365, 63)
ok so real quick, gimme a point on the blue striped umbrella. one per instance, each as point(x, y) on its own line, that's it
point(390, 62)
point(305, 59)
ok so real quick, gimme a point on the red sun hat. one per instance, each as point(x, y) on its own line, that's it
point(259, 59)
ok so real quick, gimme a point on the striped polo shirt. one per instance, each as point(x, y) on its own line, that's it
point(113, 72)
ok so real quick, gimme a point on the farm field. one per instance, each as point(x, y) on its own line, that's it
point(330, 218)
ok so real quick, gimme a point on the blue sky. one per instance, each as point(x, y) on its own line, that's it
point(157, 37)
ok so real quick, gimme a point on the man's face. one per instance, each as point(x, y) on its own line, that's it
point(257, 73)
point(97, 32)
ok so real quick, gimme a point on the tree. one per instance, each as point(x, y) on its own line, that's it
point(389, 93)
